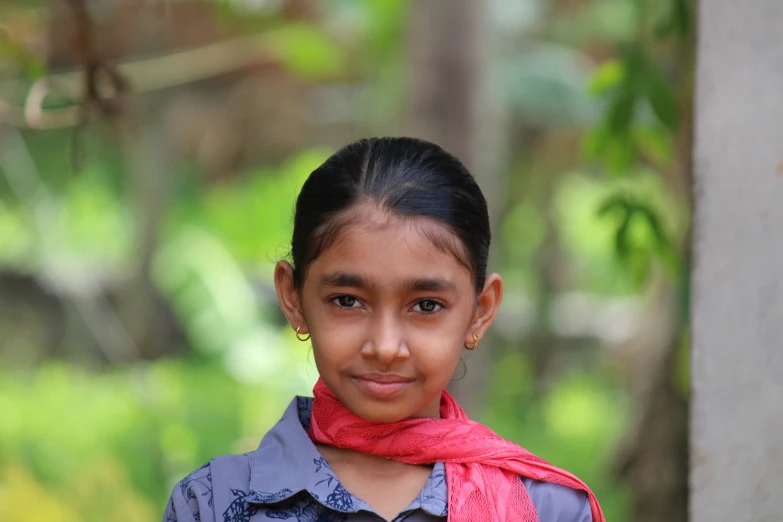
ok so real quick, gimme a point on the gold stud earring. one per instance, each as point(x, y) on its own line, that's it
point(475, 343)
point(299, 336)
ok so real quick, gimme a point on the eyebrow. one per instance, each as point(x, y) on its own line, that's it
point(349, 280)
point(424, 284)
point(435, 284)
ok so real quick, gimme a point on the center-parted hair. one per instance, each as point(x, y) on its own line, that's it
point(406, 177)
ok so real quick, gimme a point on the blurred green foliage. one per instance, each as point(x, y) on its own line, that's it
point(90, 447)
point(72, 435)
point(93, 444)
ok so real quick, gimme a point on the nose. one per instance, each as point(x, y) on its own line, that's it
point(385, 340)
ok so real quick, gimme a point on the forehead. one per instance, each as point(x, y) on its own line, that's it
point(389, 248)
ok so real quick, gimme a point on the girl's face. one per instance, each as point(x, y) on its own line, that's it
point(388, 313)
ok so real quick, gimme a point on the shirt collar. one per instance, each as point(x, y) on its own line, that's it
point(287, 462)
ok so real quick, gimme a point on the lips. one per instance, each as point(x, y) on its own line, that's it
point(382, 385)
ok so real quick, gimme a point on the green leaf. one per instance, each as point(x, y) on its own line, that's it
point(661, 99)
point(677, 19)
point(606, 77)
point(613, 202)
point(656, 143)
point(620, 155)
point(650, 217)
point(616, 153)
point(621, 243)
point(621, 112)
point(306, 51)
point(595, 142)
point(682, 16)
point(636, 63)
point(640, 236)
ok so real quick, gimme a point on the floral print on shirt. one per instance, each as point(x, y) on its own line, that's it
point(287, 478)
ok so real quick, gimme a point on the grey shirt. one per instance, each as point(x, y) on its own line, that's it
point(287, 478)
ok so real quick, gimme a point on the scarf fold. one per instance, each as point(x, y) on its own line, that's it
point(482, 469)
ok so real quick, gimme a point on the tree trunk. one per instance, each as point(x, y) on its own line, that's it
point(737, 360)
point(653, 460)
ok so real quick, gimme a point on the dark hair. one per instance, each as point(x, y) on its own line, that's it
point(404, 176)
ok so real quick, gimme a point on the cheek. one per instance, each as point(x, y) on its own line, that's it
point(333, 340)
point(433, 350)
point(438, 347)
point(450, 338)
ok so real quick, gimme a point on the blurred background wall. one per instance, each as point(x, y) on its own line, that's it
point(150, 154)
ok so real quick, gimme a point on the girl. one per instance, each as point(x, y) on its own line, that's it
point(388, 282)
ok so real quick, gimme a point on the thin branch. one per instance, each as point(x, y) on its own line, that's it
point(147, 75)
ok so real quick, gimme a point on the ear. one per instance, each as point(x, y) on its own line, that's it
point(488, 303)
point(288, 296)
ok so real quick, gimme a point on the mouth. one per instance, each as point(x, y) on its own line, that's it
point(382, 385)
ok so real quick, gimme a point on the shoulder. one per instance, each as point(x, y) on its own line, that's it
point(197, 497)
point(558, 503)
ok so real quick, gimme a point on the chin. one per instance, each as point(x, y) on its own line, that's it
point(380, 412)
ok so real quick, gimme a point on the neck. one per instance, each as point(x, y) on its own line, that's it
point(376, 465)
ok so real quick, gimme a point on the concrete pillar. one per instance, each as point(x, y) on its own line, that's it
point(737, 362)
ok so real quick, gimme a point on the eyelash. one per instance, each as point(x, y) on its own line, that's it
point(439, 306)
point(336, 301)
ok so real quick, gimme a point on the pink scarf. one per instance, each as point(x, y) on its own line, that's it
point(482, 469)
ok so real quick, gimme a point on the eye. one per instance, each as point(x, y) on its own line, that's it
point(346, 301)
point(427, 306)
